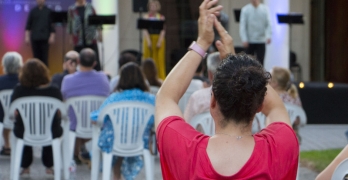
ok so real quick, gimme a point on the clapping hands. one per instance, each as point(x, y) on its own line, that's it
point(207, 20)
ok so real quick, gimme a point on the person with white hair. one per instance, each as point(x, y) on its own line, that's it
point(199, 101)
point(11, 63)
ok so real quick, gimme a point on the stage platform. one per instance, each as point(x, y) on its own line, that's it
point(324, 105)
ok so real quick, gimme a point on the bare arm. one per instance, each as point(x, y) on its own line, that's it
point(273, 108)
point(329, 170)
point(243, 28)
point(146, 34)
point(161, 36)
point(179, 78)
point(52, 38)
point(100, 35)
point(269, 27)
point(28, 29)
point(27, 36)
point(147, 37)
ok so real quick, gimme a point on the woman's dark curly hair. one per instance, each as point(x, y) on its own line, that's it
point(34, 73)
point(131, 77)
point(239, 87)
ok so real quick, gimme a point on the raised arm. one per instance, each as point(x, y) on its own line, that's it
point(329, 170)
point(179, 78)
point(273, 108)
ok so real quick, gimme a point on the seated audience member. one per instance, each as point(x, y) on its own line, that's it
point(131, 87)
point(327, 173)
point(11, 64)
point(124, 58)
point(34, 80)
point(282, 85)
point(199, 101)
point(287, 91)
point(239, 91)
point(86, 81)
point(69, 67)
point(150, 72)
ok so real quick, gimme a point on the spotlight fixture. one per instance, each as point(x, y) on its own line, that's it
point(330, 85)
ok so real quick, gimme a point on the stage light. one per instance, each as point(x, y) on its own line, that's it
point(330, 85)
point(301, 85)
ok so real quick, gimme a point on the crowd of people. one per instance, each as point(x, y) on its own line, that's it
point(235, 89)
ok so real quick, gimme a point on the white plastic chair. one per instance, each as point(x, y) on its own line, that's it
point(82, 107)
point(184, 100)
point(129, 120)
point(5, 99)
point(154, 90)
point(341, 171)
point(294, 112)
point(259, 122)
point(37, 113)
point(206, 121)
point(194, 86)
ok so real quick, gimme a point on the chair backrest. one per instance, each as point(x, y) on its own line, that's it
point(154, 90)
point(5, 99)
point(37, 114)
point(82, 107)
point(341, 171)
point(194, 86)
point(296, 111)
point(259, 122)
point(184, 100)
point(129, 120)
point(206, 121)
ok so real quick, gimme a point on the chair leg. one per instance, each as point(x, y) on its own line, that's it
point(66, 152)
point(149, 165)
point(95, 156)
point(107, 160)
point(17, 158)
point(56, 157)
point(1, 129)
point(72, 138)
point(13, 151)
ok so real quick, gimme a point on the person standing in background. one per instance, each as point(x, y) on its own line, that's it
point(255, 29)
point(154, 45)
point(82, 34)
point(39, 31)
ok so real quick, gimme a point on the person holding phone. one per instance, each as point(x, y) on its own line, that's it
point(69, 67)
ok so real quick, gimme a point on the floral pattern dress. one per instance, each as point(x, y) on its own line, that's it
point(131, 166)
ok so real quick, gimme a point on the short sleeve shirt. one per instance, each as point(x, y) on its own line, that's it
point(183, 153)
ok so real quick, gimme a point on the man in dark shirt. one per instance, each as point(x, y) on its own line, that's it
point(69, 66)
point(39, 31)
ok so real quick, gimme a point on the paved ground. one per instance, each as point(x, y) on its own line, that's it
point(315, 137)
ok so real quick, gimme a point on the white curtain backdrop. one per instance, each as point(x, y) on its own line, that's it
point(109, 49)
point(277, 53)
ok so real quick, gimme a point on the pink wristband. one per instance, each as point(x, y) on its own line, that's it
point(195, 47)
